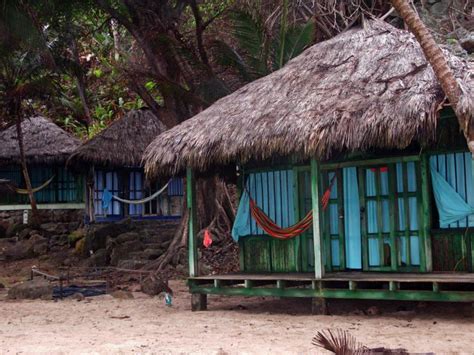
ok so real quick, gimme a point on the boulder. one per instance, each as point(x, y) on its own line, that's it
point(34, 289)
point(3, 231)
point(97, 237)
point(23, 249)
point(127, 237)
point(467, 42)
point(14, 229)
point(40, 244)
point(55, 228)
point(99, 258)
point(122, 251)
point(152, 285)
point(76, 235)
point(25, 233)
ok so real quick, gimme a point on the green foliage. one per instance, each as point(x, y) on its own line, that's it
point(260, 50)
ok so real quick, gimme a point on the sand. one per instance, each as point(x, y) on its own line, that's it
point(105, 325)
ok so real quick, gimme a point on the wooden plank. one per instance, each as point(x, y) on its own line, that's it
point(384, 161)
point(392, 188)
point(317, 237)
point(406, 206)
point(296, 205)
point(363, 220)
point(446, 277)
point(340, 224)
point(191, 205)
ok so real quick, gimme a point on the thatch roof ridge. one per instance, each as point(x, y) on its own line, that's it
point(366, 88)
point(44, 142)
point(122, 143)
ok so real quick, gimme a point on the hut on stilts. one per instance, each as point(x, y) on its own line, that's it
point(355, 179)
point(47, 147)
point(116, 185)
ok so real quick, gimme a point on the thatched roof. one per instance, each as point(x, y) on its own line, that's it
point(366, 88)
point(44, 142)
point(122, 143)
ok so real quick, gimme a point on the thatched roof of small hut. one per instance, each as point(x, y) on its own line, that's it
point(44, 142)
point(122, 143)
point(366, 88)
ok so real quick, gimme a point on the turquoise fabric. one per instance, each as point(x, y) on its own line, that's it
point(272, 191)
point(352, 219)
point(242, 221)
point(456, 169)
point(106, 199)
point(451, 206)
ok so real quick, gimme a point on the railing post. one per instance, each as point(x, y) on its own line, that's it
point(191, 206)
point(317, 237)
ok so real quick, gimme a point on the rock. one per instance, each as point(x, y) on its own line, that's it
point(152, 285)
point(2, 286)
point(440, 8)
point(127, 237)
point(14, 229)
point(77, 296)
point(373, 311)
point(23, 249)
point(25, 233)
point(131, 264)
point(40, 244)
point(123, 295)
point(59, 240)
point(38, 288)
point(75, 236)
point(99, 258)
point(467, 42)
point(97, 237)
point(55, 228)
point(3, 230)
point(122, 251)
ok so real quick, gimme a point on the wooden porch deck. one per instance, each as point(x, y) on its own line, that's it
point(348, 276)
point(451, 287)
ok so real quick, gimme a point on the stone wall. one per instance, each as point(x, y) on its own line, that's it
point(47, 216)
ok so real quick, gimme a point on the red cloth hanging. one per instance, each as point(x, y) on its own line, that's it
point(207, 239)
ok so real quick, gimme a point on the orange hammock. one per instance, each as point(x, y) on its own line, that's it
point(273, 230)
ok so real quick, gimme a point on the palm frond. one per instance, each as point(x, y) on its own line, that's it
point(338, 341)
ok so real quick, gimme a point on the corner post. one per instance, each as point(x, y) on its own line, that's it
point(317, 237)
point(426, 257)
point(191, 206)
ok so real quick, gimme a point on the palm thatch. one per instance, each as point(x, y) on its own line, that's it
point(122, 143)
point(367, 88)
point(44, 142)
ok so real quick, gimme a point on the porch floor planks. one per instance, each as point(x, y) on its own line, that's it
point(444, 277)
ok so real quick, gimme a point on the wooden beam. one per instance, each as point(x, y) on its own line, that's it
point(384, 161)
point(191, 206)
point(317, 237)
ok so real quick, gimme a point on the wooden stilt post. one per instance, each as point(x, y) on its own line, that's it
point(191, 206)
point(317, 236)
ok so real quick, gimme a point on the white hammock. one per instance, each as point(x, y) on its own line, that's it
point(145, 200)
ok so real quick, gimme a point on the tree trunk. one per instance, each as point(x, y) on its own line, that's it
point(24, 168)
point(434, 55)
point(81, 84)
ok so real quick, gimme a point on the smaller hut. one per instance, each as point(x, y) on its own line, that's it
point(116, 186)
point(47, 147)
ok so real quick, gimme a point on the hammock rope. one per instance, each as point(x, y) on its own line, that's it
point(36, 189)
point(144, 200)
